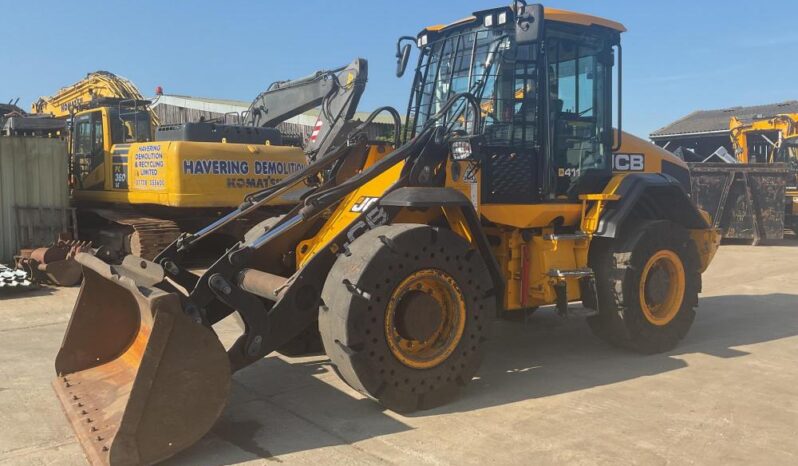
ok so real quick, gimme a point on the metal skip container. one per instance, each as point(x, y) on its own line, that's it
point(746, 201)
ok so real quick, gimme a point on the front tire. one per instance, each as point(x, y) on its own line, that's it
point(648, 282)
point(406, 314)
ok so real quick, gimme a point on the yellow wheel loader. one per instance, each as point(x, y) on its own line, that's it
point(400, 258)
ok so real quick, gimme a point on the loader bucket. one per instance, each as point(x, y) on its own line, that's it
point(137, 378)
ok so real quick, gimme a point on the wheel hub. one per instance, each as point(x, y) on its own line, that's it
point(658, 284)
point(418, 315)
point(425, 319)
point(662, 287)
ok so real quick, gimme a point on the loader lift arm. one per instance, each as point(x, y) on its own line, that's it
point(220, 292)
point(351, 137)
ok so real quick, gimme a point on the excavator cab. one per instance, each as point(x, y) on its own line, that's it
point(94, 132)
point(88, 143)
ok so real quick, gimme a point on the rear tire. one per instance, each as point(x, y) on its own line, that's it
point(648, 282)
point(406, 314)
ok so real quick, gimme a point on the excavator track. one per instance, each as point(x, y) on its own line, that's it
point(150, 235)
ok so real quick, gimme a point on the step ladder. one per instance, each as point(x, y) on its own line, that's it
point(586, 277)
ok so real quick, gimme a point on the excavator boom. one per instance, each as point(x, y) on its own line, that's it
point(97, 86)
point(337, 92)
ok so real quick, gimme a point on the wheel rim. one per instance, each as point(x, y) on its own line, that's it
point(425, 319)
point(662, 286)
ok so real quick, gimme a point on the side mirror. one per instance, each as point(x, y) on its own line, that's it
point(403, 55)
point(528, 22)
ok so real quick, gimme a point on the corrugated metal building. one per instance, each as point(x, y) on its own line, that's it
point(177, 109)
point(34, 196)
point(704, 131)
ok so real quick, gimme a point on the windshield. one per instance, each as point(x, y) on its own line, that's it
point(465, 62)
point(131, 126)
point(506, 78)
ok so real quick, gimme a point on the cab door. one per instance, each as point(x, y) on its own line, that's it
point(88, 149)
point(513, 134)
point(579, 64)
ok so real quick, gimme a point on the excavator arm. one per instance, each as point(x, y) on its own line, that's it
point(98, 87)
point(337, 92)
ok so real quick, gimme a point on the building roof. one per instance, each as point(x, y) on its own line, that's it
point(717, 121)
point(238, 106)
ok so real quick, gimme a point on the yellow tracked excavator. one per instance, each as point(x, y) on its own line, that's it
point(398, 259)
point(136, 188)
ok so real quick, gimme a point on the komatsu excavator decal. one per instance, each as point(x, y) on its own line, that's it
point(66, 106)
point(252, 183)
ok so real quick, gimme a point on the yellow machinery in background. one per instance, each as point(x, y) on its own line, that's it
point(758, 140)
point(103, 98)
point(397, 261)
point(136, 188)
point(771, 140)
point(96, 87)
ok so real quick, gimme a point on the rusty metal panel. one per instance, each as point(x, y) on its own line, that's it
point(33, 192)
point(746, 201)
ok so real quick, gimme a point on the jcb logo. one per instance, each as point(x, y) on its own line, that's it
point(628, 162)
point(363, 204)
point(371, 220)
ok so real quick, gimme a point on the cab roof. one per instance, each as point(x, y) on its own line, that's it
point(551, 14)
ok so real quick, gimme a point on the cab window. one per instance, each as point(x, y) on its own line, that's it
point(130, 126)
point(578, 85)
point(88, 134)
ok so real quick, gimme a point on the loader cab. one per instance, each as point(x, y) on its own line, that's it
point(546, 104)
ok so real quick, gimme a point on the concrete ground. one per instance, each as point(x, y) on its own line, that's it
point(548, 392)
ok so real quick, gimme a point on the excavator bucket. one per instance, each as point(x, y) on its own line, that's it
point(138, 379)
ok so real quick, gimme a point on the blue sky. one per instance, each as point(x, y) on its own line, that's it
point(679, 55)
